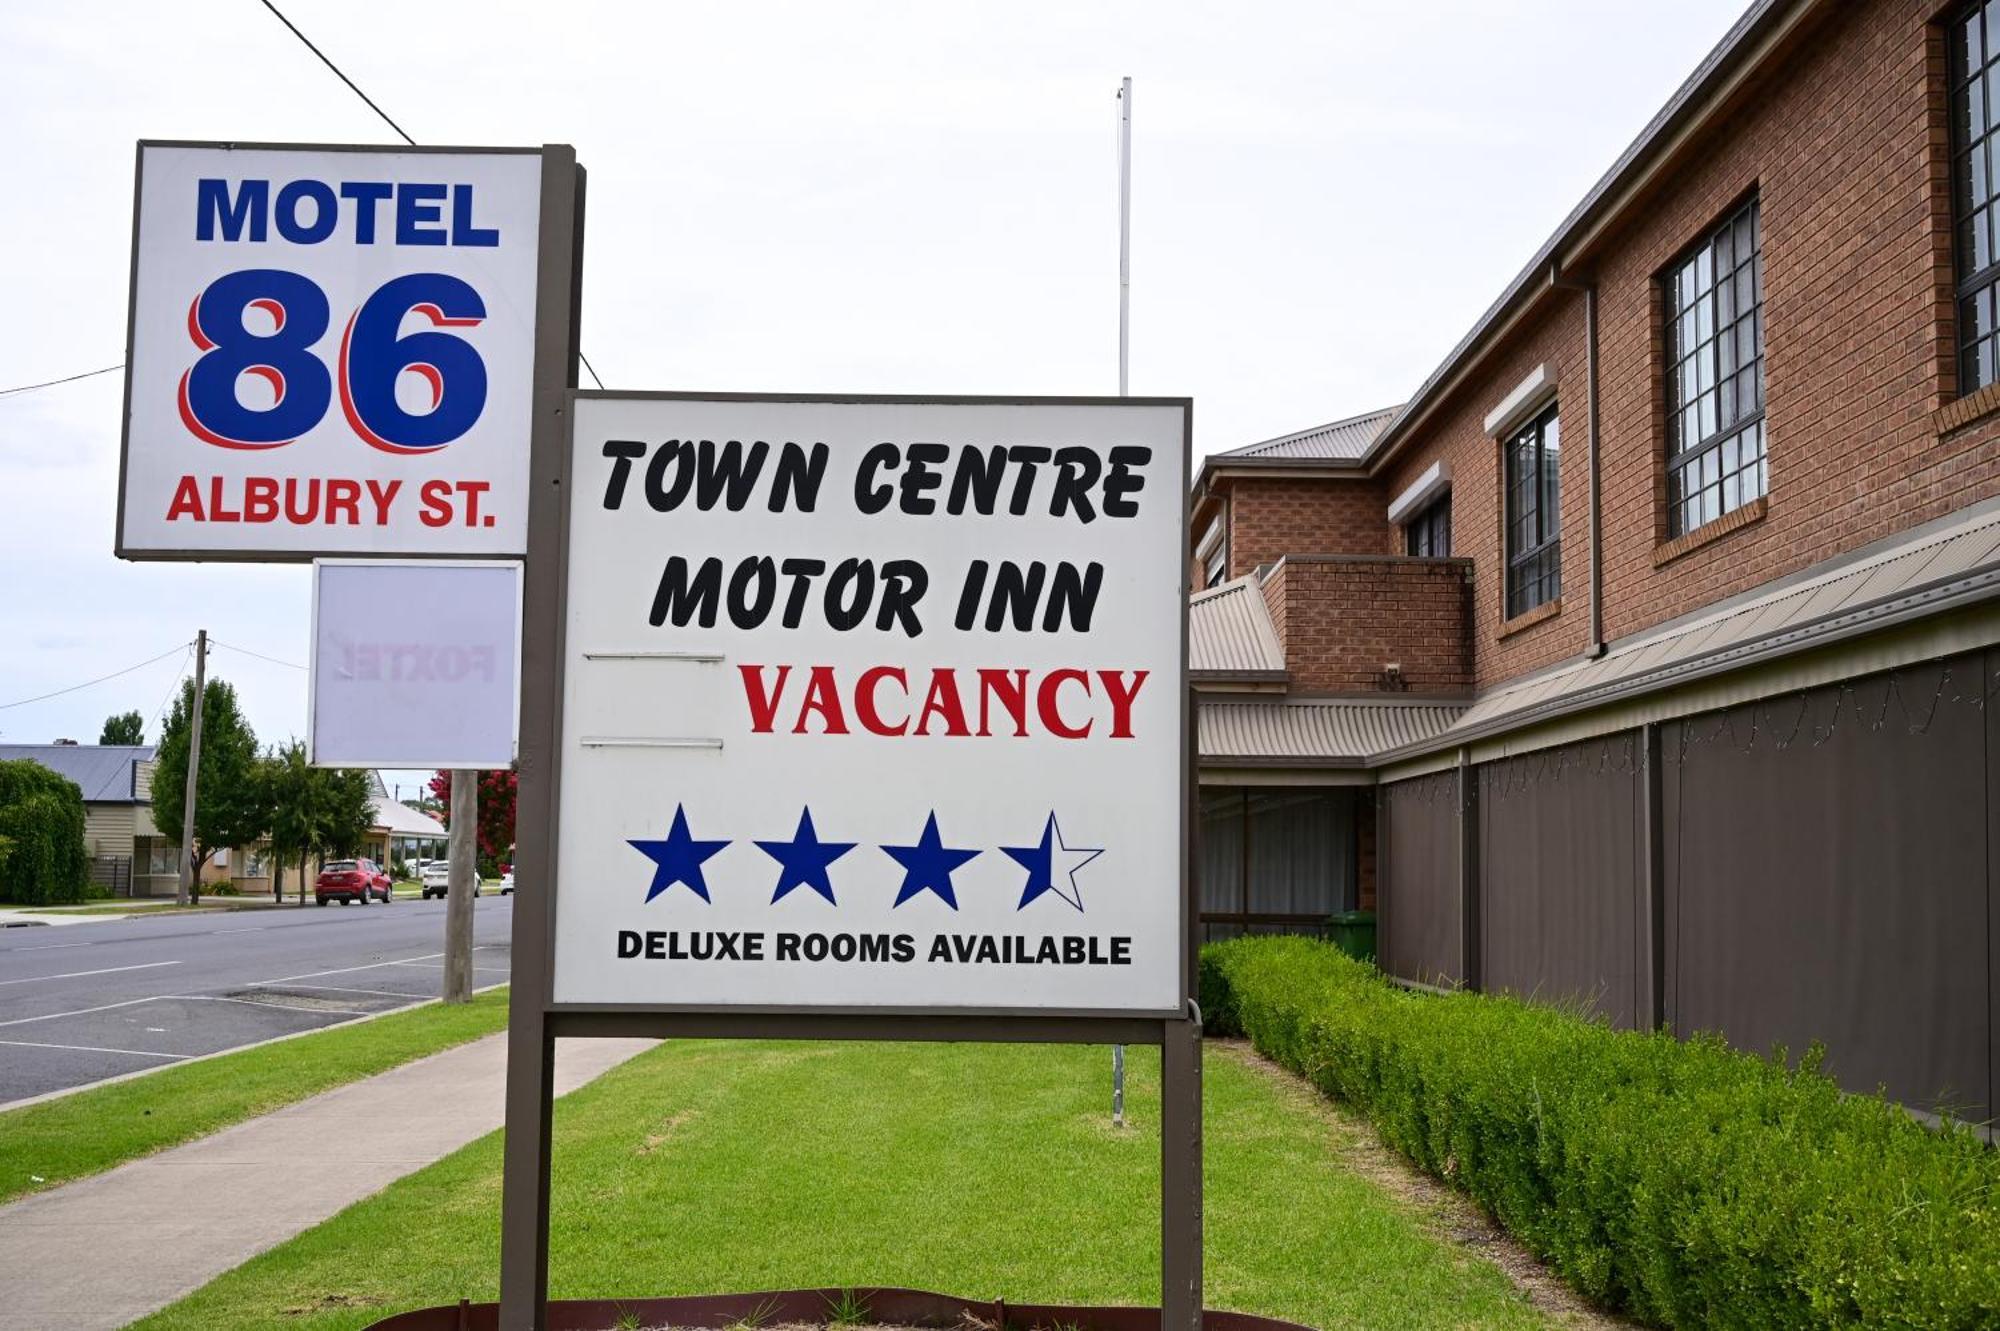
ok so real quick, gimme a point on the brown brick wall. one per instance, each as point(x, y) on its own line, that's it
point(1279, 516)
point(1342, 618)
point(1845, 149)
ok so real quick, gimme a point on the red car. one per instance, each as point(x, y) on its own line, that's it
point(351, 880)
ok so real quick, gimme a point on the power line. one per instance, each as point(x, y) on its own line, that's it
point(337, 73)
point(179, 646)
point(387, 121)
point(245, 651)
point(91, 374)
point(400, 132)
point(158, 722)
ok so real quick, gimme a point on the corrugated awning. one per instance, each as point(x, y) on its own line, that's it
point(1230, 634)
point(1331, 733)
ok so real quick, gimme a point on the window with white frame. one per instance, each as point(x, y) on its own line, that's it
point(1533, 472)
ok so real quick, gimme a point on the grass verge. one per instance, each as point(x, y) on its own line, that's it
point(979, 1170)
point(54, 1142)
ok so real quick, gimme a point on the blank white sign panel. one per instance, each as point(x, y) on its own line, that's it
point(415, 664)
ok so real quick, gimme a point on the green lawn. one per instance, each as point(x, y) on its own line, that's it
point(51, 1143)
point(979, 1170)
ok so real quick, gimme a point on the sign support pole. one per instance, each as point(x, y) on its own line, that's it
point(1180, 1174)
point(524, 1215)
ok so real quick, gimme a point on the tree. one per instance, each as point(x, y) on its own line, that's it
point(314, 810)
point(230, 808)
point(125, 728)
point(496, 797)
point(42, 855)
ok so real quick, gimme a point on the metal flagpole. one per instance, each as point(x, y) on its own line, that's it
point(1124, 389)
point(1124, 236)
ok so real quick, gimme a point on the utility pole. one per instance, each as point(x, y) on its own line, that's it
point(188, 890)
point(463, 854)
point(1124, 388)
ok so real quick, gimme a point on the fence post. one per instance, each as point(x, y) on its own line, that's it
point(1468, 870)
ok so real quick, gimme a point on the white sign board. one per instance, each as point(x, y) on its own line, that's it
point(331, 353)
point(414, 664)
point(874, 705)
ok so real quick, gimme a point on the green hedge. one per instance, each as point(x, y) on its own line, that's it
point(1680, 1182)
point(42, 855)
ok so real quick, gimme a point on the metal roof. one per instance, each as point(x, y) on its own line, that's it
point(1334, 732)
point(1343, 439)
point(1230, 633)
point(401, 820)
point(102, 771)
point(1954, 561)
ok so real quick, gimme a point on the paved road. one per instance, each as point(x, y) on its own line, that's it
point(87, 1002)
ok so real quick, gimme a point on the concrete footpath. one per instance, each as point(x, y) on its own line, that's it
point(103, 1251)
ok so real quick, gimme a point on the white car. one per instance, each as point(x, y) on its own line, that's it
point(507, 882)
point(436, 880)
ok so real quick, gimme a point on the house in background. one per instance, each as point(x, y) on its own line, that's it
point(1651, 651)
point(130, 856)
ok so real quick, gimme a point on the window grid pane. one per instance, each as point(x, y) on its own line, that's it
point(1534, 515)
point(1974, 91)
point(1715, 375)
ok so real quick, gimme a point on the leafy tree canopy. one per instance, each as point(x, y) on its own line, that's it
point(315, 810)
point(125, 728)
point(230, 798)
point(42, 855)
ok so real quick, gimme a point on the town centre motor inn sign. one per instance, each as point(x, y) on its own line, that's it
point(874, 704)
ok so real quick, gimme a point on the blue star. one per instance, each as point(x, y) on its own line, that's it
point(802, 861)
point(1051, 864)
point(680, 858)
point(927, 865)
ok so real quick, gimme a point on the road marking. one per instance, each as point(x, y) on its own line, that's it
point(341, 989)
point(79, 1012)
point(92, 1049)
point(256, 929)
point(276, 1007)
point(439, 965)
point(46, 947)
point(77, 975)
point(340, 970)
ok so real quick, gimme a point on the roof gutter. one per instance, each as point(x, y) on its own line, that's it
point(1766, 27)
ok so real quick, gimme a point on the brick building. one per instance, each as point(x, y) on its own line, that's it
point(1644, 656)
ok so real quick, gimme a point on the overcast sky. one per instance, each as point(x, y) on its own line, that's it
point(825, 196)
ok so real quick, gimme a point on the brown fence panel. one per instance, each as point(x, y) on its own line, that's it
point(1828, 881)
point(1419, 891)
point(1561, 875)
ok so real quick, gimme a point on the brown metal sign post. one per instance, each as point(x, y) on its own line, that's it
point(538, 1018)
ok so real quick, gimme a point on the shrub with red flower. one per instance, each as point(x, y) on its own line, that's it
point(497, 791)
